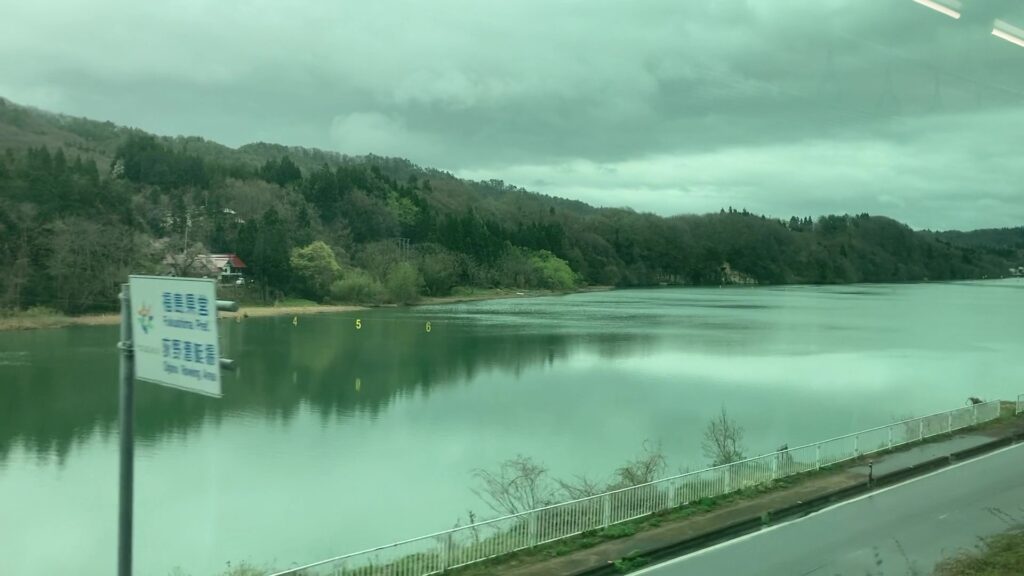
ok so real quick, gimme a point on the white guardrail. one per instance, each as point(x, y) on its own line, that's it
point(442, 551)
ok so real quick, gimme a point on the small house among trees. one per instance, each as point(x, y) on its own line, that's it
point(229, 267)
point(226, 268)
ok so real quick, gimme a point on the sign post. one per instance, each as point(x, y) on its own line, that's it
point(127, 421)
point(168, 337)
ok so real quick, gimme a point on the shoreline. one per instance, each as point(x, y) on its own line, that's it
point(43, 322)
point(28, 321)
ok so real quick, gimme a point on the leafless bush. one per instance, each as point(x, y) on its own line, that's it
point(723, 440)
point(519, 484)
point(647, 466)
point(580, 487)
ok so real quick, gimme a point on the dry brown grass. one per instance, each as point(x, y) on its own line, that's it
point(258, 311)
point(1000, 555)
point(37, 317)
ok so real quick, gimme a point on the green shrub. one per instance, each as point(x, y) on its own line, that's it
point(440, 269)
point(552, 272)
point(631, 562)
point(619, 531)
point(357, 287)
point(403, 283)
point(315, 269)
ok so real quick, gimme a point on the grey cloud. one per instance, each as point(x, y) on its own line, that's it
point(740, 97)
point(959, 171)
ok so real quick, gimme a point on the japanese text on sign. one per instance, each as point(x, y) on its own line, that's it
point(175, 336)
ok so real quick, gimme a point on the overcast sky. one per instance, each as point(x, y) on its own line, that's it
point(781, 107)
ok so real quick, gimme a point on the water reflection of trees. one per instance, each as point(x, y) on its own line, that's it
point(68, 390)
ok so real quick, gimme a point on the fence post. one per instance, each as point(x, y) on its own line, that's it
point(817, 457)
point(606, 510)
point(920, 429)
point(949, 422)
point(974, 415)
point(531, 527)
point(446, 553)
point(856, 445)
point(890, 437)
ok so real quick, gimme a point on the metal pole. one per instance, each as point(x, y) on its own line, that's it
point(126, 417)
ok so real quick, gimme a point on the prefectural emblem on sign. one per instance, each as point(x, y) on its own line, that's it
point(145, 314)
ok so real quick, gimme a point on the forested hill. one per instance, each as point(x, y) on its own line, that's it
point(1008, 242)
point(84, 203)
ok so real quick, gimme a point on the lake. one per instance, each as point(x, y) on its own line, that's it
point(331, 439)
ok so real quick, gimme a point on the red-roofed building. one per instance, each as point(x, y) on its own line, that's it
point(229, 268)
point(226, 268)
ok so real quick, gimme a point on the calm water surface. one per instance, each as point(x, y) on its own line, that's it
point(331, 439)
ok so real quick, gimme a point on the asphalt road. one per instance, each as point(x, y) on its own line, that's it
point(904, 529)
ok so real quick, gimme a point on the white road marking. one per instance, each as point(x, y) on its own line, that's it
point(832, 507)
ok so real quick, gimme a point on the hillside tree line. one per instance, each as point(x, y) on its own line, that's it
point(373, 230)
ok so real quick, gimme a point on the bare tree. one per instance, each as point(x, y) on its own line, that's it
point(580, 487)
point(519, 484)
point(87, 262)
point(646, 467)
point(192, 261)
point(723, 440)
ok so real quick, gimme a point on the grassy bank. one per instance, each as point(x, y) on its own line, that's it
point(996, 556)
point(41, 318)
point(38, 317)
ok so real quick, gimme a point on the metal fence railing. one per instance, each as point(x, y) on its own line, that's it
point(438, 552)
